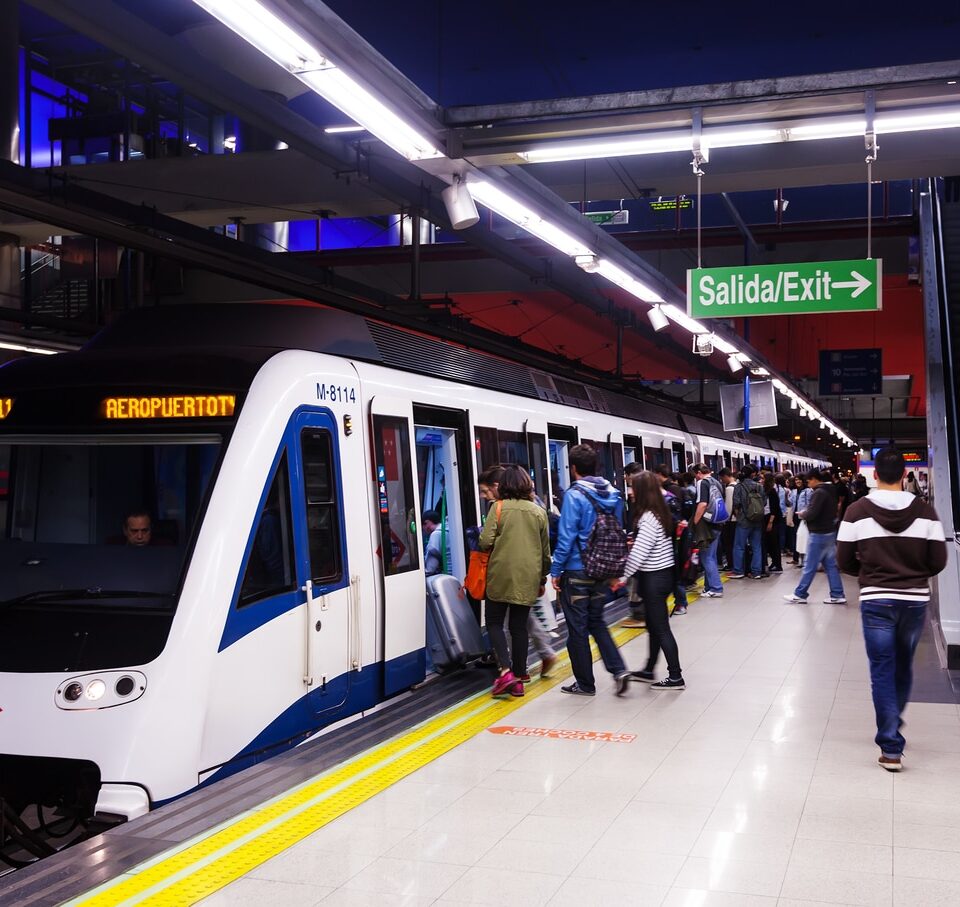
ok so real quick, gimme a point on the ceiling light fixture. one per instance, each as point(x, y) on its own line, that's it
point(266, 31)
point(655, 143)
point(657, 319)
point(500, 203)
point(24, 348)
point(734, 364)
point(338, 130)
point(618, 276)
point(680, 317)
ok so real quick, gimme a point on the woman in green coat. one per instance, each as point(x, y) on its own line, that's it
point(519, 544)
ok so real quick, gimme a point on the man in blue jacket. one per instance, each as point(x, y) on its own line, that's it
point(581, 596)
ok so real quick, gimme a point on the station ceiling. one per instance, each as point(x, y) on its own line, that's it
point(507, 76)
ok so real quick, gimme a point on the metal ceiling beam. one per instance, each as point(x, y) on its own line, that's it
point(80, 210)
point(774, 90)
point(402, 182)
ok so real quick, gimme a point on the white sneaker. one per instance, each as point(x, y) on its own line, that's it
point(794, 599)
point(835, 601)
point(709, 594)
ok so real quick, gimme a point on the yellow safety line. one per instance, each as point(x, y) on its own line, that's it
point(219, 856)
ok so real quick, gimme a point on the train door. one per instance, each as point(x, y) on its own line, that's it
point(401, 616)
point(445, 482)
point(332, 613)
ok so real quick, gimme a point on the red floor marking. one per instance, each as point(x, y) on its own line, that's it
point(562, 734)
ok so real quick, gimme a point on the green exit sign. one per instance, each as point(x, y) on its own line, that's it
point(789, 289)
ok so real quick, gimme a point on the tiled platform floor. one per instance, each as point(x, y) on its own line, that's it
point(755, 787)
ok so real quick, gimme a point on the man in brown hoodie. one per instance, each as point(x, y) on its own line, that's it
point(893, 543)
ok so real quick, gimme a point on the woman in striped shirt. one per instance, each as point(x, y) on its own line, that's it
point(651, 559)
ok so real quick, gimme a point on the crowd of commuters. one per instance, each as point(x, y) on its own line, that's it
point(653, 543)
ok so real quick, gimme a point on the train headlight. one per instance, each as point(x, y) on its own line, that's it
point(102, 690)
point(73, 691)
point(95, 690)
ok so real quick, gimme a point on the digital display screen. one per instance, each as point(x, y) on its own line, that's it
point(6, 404)
point(186, 406)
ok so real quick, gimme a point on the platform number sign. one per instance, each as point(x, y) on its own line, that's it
point(851, 372)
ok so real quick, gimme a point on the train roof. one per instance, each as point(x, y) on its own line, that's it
point(223, 345)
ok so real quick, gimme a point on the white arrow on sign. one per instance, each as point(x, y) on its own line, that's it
point(860, 282)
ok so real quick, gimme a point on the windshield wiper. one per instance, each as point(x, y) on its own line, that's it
point(93, 593)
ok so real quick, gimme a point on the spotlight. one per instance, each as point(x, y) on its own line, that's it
point(461, 208)
point(657, 319)
point(734, 363)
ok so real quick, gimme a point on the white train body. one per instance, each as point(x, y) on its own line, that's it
point(326, 461)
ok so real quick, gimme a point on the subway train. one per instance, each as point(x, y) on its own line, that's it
point(281, 456)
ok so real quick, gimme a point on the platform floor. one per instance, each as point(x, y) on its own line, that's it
point(755, 786)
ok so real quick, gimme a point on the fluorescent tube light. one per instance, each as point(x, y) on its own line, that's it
point(723, 346)
point(333, 84)
point(684, 320)
point(827, 129)
point(894, 121)
point(266, 31)
point(23, 348)
point(337, 130)
point(617, 275)
point(738, 137)
point(655, 143)
point(500, 203)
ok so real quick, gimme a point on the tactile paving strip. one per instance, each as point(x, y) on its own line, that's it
point(207, 863)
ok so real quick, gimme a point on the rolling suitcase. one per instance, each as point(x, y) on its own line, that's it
point(453, 636)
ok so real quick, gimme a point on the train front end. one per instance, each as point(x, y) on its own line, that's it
point(106, 465)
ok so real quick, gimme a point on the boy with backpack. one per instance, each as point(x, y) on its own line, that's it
point(590, 555)
point(708, 520)
point(748, 508)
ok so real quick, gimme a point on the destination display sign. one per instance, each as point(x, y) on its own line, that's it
point(806, 288)
point(193, 406)
point(851, 372)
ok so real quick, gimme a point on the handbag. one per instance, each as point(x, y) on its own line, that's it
point(803, 537)
point(544, 614)
point(475, 582)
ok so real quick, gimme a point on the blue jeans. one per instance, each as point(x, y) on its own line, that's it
point(680, 595)
point(583, 600)
point(747, 533)
point(822, 548)
point(891, 631)
point(711, 572)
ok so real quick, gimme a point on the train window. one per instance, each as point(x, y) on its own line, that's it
point(323, 512)
point(270, 567)
point(488, 450)
point(604, 459)
point(654, 456)
point(513, 448)
point(398, 515)
point(539, 467)
point(632, 450)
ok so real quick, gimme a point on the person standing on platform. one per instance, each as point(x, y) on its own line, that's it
point(706, 528)
point(893, 543)
point(582, 596)
point(728, 534)
point(637, 619)
point(519, 546)
point(773, 524)
point(821, 519)
point(748, 510)
point(651, 560)
point(803, 494)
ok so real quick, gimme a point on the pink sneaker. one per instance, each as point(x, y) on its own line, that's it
point(502, 685)
point(516, 690)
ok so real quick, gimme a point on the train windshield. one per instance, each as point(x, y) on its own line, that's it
point(99, 523)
